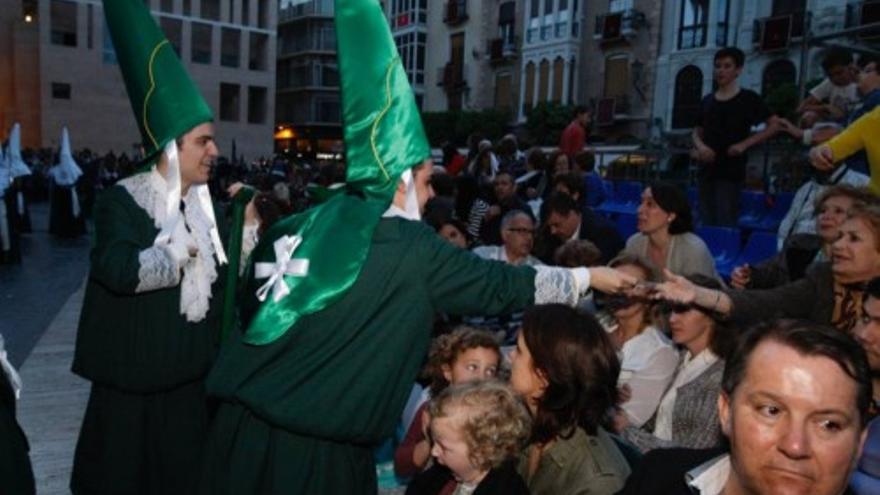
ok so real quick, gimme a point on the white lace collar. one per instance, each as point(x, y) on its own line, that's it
point(149, 191)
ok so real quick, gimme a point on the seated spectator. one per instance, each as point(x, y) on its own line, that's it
point(510, 158)
point(484, 166)
point(801, 216)
point(517, 237)
point(571, 184)
point(455, 232)
point(867, 332)
point(665, 239)
point(648, 358)
point(506, 201)
point(532, 184)
point(858, 136)
point(478, 429)
point(687, 415)
point(585, 162)
point(558, 163)
point(793, 407)
point(452, 159)
point(836, 95)
point(566, 370)
point(567, 221)
point(830, 293)
point(579, 253)
point(469, 207)
point(466, 354)
point(802, 250)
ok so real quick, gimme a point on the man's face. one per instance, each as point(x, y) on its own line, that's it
point(197, 154)
point(504, 187)
point(584, 118)
point(422, 181)
point(868, 80)
point(726, 71)
point(793, 425)
point(519, 235)
point(563, 226)
point(867, 332)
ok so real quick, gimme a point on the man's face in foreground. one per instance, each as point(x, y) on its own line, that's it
point(793, 425)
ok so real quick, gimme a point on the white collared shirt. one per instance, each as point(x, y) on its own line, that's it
point(709, 477)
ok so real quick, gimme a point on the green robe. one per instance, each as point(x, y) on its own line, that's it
point(301, 415)
point(146, 419)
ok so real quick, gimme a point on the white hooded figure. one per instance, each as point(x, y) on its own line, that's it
point(65, 217)
point(18, 168)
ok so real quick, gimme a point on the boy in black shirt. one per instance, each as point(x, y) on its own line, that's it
point(723, 136)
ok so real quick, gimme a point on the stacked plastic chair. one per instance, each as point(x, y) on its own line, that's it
point(724, 244)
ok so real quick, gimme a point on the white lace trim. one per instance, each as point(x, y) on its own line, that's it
point(250, 235)
point(158, 270)
point(555, 285)
point(148, 190)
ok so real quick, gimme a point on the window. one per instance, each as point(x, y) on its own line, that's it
point(411, 47)
point(778, 74)
point(529, 92)
point(543, 80)
point(503, 91)
point(229, 101)
point(90, 26)
point(692, 33)
point(166, 6)
point(230, 46)
point(558, 78)
point(246, 12)
point(617, 79)
point(187, 7)
point(548, 7)
point(60, 91)
point(210, 10)
point(258, 52)
point(722, 16)
point(327, 109)
point(201, 43)
point(615, 6)
point(688, 97)
point(407, 13)
point(256, 105)
point(173, 29)
point(536, 8)
point(507, 22)
point(794, 8)
point(63, 19)
point(263, 14)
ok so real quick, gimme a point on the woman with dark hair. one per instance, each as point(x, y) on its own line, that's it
point(469, 207)
point(566, 370)
point(687, 415)
point(665, 239)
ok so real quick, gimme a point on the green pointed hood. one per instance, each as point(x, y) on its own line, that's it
point(307, 262)
point(165, 100)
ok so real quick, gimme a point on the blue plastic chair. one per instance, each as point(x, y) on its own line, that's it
point(724, 244)
point(625, 200)
point(759, 247)
point(866, 478)
point(753, 208)
point(781, 205)
point(627, 225)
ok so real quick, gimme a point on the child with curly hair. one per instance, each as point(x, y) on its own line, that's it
point(466, 354)
point(478, 429)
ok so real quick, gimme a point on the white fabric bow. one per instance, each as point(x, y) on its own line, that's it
point(284, 265)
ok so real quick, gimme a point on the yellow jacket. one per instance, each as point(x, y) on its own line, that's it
point(863, 134)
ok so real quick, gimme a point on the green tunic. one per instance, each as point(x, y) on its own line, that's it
point(146, 419)
point(301, 414)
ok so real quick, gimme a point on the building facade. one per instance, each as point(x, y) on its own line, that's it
point(618, 60)
point(73, 78)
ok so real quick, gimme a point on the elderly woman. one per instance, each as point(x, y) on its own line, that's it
point(802, 250)
point(687, 415)
point(665, 239)
point(830, 293)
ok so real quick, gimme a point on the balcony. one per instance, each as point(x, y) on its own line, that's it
point(618, 26)
point(455, 12)
point(776, 32)
point(305, 10)
point(502, 51)
point(451, 78)
point(863, 14)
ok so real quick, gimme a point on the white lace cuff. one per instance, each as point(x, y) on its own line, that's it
point(556, 285)
point(158, 269)
point(249, 239)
